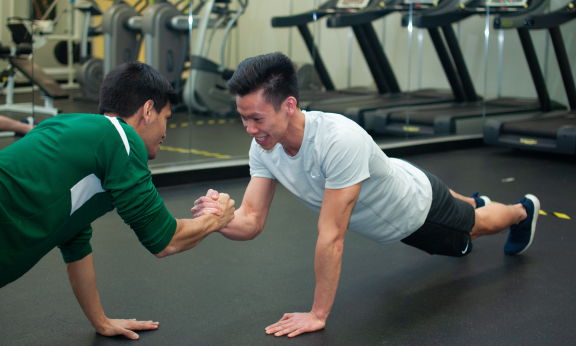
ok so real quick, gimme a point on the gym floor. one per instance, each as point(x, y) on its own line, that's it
point(225, 293)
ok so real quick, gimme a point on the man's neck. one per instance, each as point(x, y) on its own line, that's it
point(292, 141)
point(130, 121)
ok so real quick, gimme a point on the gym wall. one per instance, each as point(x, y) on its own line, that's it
point(258, 37)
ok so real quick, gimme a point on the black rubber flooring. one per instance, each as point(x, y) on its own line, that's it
point(225, 293)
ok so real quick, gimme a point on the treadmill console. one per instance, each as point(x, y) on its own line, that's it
point(352, 4)
point(420, 2)
point(506, 3)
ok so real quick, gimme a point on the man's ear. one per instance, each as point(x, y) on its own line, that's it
point(291, 105)
point(148, 107)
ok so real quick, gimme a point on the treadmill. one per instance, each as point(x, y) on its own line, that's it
point(545, 131)
point(362, 24)
point(442, 119)
point(301, 21)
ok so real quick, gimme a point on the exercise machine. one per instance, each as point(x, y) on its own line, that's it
point(390, 95)
point(205, 89)
point(19, 60)
point(318, 84)
point(91, 72)
point(446, 119)
point(544, 131)
point(121, 26)
point(166, 35)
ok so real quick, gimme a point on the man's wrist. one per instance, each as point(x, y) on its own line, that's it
point(208, 222)
point(213, 225)
point(320, 315)
point(101, 323)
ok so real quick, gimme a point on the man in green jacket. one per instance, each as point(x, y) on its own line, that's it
point(74, 168)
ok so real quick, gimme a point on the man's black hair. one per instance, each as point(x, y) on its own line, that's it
point(273, 73)
point(126, 88)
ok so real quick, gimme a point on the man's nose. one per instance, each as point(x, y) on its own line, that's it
point(250, 128)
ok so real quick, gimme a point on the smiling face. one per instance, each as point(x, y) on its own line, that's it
point(155, 130)
point(261, 120)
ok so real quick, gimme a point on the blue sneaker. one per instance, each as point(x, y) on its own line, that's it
point(481, 201)
point(521, 235)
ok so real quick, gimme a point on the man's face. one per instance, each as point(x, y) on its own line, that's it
point(260, 119)
point(155, 131)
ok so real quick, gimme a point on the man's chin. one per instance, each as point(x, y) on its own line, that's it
point(153, 153)
point(152, 156)
point(266, 144)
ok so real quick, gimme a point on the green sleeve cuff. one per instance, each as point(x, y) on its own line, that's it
point(77, 255)
point(78, 247)
point(159, 231)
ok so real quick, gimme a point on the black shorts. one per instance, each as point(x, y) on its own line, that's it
point(447, 228)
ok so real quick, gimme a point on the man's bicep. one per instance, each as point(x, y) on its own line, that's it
point(258, 197)
point(337, 206)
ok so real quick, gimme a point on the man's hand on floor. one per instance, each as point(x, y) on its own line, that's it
point(126, 327)
point(295, 324)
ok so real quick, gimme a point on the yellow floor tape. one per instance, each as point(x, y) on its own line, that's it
point(562, 216)
point(194, 151)
point(202, 122)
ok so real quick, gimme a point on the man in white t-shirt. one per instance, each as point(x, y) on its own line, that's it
point(334, 167)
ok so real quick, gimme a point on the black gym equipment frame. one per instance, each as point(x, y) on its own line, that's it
point(362, 23)
point(301, 21)
point(442, 119)
point(544, 131)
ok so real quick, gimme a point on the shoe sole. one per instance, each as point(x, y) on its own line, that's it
point(536, 203)
point(487, 200)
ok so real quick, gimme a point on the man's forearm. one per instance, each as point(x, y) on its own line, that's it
point(189, 233)
point(243, 227)
point(327, 265)
point(83, 281)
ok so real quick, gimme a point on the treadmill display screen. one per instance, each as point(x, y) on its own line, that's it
point(421, 2)
point(506, 3)
point(352, 3)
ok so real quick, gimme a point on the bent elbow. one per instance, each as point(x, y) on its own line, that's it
point(255, 234)
point(164, 253)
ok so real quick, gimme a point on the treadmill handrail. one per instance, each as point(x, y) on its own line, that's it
point(306, 17)
point(552, 19)
point(514, 17)
point(552, 22)
point(437, 17)
point(300, 19)
point(375, 11)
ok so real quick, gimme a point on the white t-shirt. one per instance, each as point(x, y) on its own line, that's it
point(337, 153)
